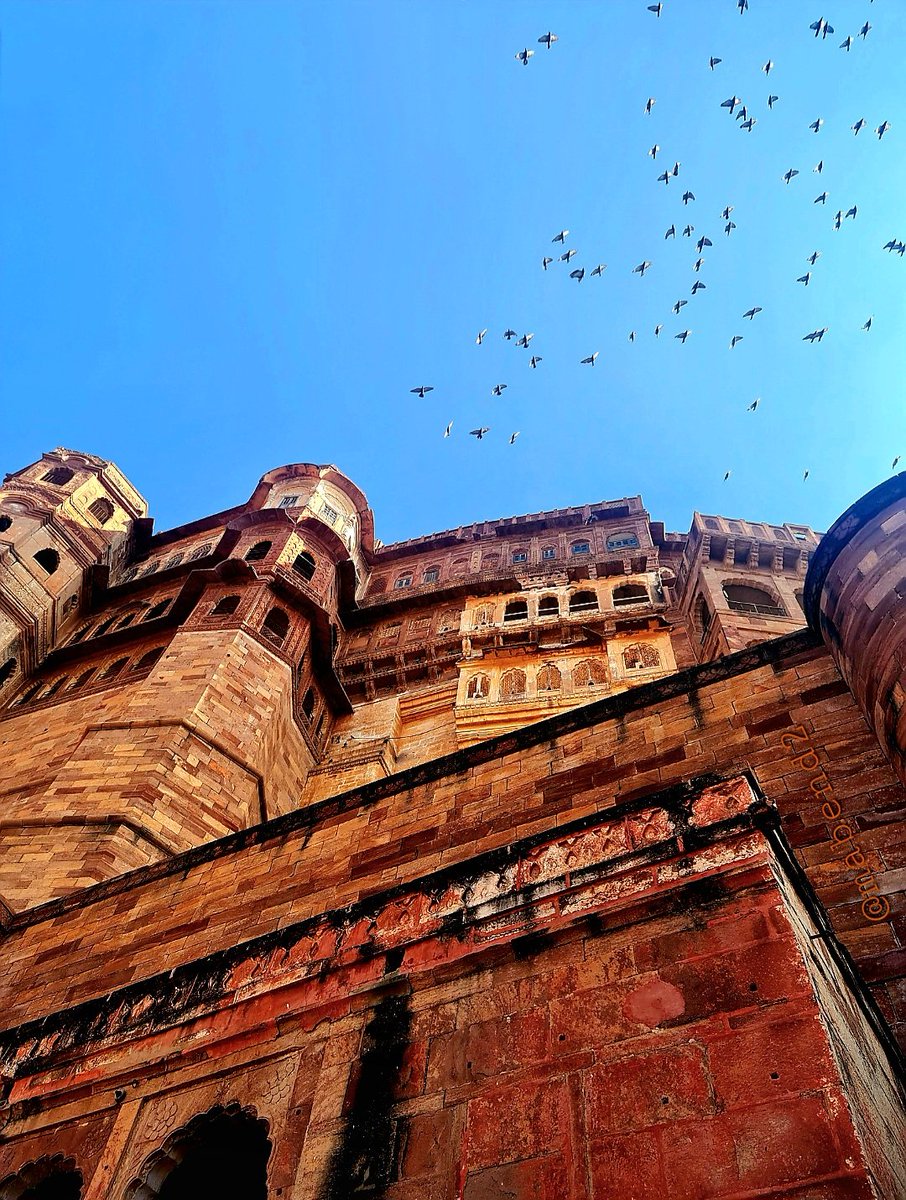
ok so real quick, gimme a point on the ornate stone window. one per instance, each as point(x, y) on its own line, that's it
point(149, 659)
point(431, 575)
point(520, 556)
point(548, 552)
point(5, 523)
point(115, 668)
point(482, 616)
point(589, 673)
point(403, 581)
point(199, 552)
point(390, 632)
point(512, 684)
point(48, 559)
point(549, 679)
point(549, 606)
point(579, 548)
point(630, 593)
point(258, 551)
point(478, 687)
point(7, 670)
point(308, 704)
point(52, 1177)
point(224, 607)
point(742, 597)
point(288, 501)
point(641, 657)
point(58, 476)
point(622, 541)
point(516, 610)
point(583, 602)
point(175, 560)
point(101, 509)
point(158, 610)
point(276, 626)
point(81, 680)
point(304, 565)
point(329, 514)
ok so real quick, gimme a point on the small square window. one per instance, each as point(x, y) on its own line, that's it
point(520, 556)
point(288, 501)
point(579, 548)
point(800, 536)
point(404, 581)
point(329, 514)
point(431, 575)
point(549, 552)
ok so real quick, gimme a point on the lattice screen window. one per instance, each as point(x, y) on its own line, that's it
point(482, 616)
point(512, 684)
point(589, 673)
point(478, 688)
point(640, 657)
point(549, 679)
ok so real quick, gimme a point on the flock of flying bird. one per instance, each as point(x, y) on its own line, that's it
point(821, 28)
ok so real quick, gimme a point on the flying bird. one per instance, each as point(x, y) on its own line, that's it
point(655, 8)
point(822, 199)
point(863, 32)
point(546, 262)
point(846, 44)
point(652, 153)
point(819, 168)
point(682, 336)
point(534, 360)
point(772, 100)
point(804, 278)
point(599, 269)
point(509, 334)
point(698, 286)
point(742, 5)
point(867, 325)
point(821, 27)
point(742, 114)
point(657, 330)
point(698, 264)
point(687, 196)
point(750, 124)
point(665, 178)
point(676, 167)
point(591, 359)
point(481, 336)
point(838, 218)
point(641, 268)
point(480, 432)
point(893, 465)
point(752, 313)
point(447, 430)
point(813, 257)
point(524, 56)
point(816, 125)
point(859, 125)
point(513, 437)
point(731, 103)
point(734, 340)
point(548, 39)
point(632, 335)
point(712, 62)
point(754, 404)
point(730, 225)
point(671, 232)
point(525, 339)
point(726, 213)
point(679, 304)
point(851, 212)
point(768, 67)
point(805, 475)
point(561, 236)
point(882, 129)
point(815, 336)
point(790, 174)
point(649, 104)
point(578, 275)
point(688, 231)
point(498, 389)
point(421, 391)
point(727, 476)
point(702, 242)
point(567, 255)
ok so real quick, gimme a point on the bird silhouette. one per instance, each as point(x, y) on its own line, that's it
point(821, 27)
point(421, 391)
point(712, 62)
point(524, 56)
point(561, 236)
point(698, 286)
point(882, 129)
point(567, 255)
point(599, 269)
point(671, 232)
point(525, 339)
point(768, 67)
point(679, 304)
point(859, 125)
point(688, 231)
point(655, 8)
point(772, 100)
point(754, 404)
point(683, 335)
point(480, 432)
point(750, 124)
point(838, 218)
point(591, 359)
point(448, 428)
point(867, 325)
point(632, 335)
point(676, 167)
point(509, 334)
point(697, 265)
point(893, 465)
point(863, 32)
point(726, 213)
point(513, 437)
point(735, 340)
point(546, 262)
point(846, 44)
point(790, 174)
point(819, 168)
point(534, 360)
point(498, 389)
point(657, 330)
point(702, 242)
point(548, 39)
point(481, 337)
point(578, 274)
point(641, 268)
point(742, 5)
point(730, 225)
point(652, 153)
point(805, 475)
point(815, 336)
point(730, 103)
point(727, 476)
point(822, 199)
point(813, 257)
point(752, 312)
point(649, 104)
point(742, 114)
point(687, 196)
point(804, 278)
point(851, 212)
point(665, 178)
point(816, 125)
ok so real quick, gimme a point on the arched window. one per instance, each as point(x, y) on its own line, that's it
point(199, 552)
point(582, 602)
point(512, 684)
point(308, 704)
point(173, 562)
point(640, 657)
point(48, 559)
point(549, 679)
point(221, 1153)
point(58, 476)
point(431, 575)
point(276, 626)
point(258, 551)
point(80, 633)
point(5, 523)
point(549, 606)
point(629, 593)
point(225, 606)
point(404, 580)
point(622, 541)
point(548, 552)
point(304, 565)
point(703, 614)
point(103, 627)
point(148, 659)
point(114, 669)
point(483, 615)
point(741, 597)
point(82, 679)
point(30, 692)
point(378, 585)
point(156, 610)
point(478, 688)
point(490, 562)
point(460, 568)
point(101, 509)
point(55, 686)
point(710, 523)
point(589, 673)
point(127, 620)
point(7, 670)
point(800, 598)
point(516, 610)
point(53, 1177)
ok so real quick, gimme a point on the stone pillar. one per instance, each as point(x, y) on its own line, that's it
point(855, 598)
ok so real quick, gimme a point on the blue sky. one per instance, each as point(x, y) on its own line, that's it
point(235, 235)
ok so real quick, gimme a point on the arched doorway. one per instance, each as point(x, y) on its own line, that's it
point(221, 1154)
point(53, 1177)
